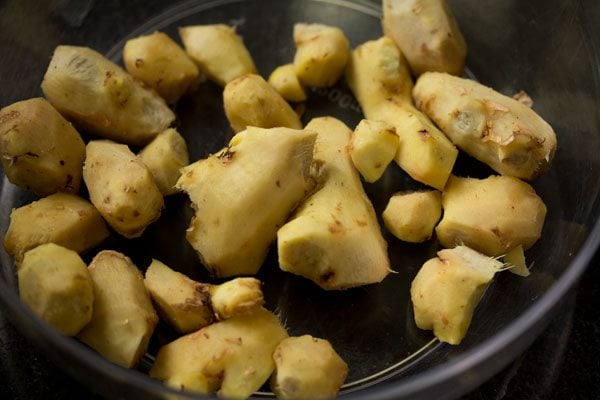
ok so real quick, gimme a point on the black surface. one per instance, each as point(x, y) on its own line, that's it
point(563, 363)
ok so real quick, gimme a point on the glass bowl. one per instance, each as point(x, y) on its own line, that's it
point(547, 48)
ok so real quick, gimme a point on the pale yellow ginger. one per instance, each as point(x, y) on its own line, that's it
point(100, 96)
point(64, 219)
point(492, 215)
point(121, 187)
point(376, 72)
point(372, 147)
point(159, 62)
point(238, 296)
point(285, 81)
point(164, 157)
point(233, 357)
point(55, 283)
point(427, 34)
point(412, 216)
point(244, 193)
point(321, 54)
point(123, 319)
point(334, 238)
point(39, 149)
point(188, 305)
point(498, 130)
point(218, 51)
point(307, 368)
point(447, 289)
point(182, 302)
point(379, 78)
point(250, 101)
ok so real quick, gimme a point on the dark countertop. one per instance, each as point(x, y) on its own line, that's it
point(563, 363)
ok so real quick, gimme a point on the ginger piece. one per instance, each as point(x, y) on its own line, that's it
point(55, 283)
point(39, 149)
point(447, 289)
point(182, 302)
point(492, 215)
point(232, 356)
point(243, 194)
point(321, 54)
point(372, 147)
point(497, 130)
point(164, 157)
point(159, 62)
point(218, 51)
point(307, 368)
point(424, 152)
point(121, 187)
point(250, 101)
point(412, 216)
point(238, 296)
point(123, 319)
point(285, 81)
point(427, 34)
point(64, 219)
point(377, 72)
point(379, 78)
point(334, 238)
point(100, 96)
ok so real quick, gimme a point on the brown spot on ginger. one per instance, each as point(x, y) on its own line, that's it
point(424, 134)
point(335, 226)
point(4, 118)
point(226, 155)
point(327, 276)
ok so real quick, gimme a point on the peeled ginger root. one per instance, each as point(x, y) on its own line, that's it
point(334, 238)
point(239, 296)
point(159, 62)
point(427, 34)
point(165, 156)
point(307, 368)
point(98, 95)
point(121, 187)
point(55, 283)
point(372, 147)
point(285, 81)
point(244, 193)
point(250, 101)
point(123, 319)
point(498, 130)
point(64, 219)
point(412, 216)
point(218, 51)
point(39, 149)
point(492, 215)
point(380, 80)
point(232, 356)
point(447, 289)
point(321, 54)
point(182, 302)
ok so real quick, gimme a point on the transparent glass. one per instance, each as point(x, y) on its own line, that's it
point(547, 48)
